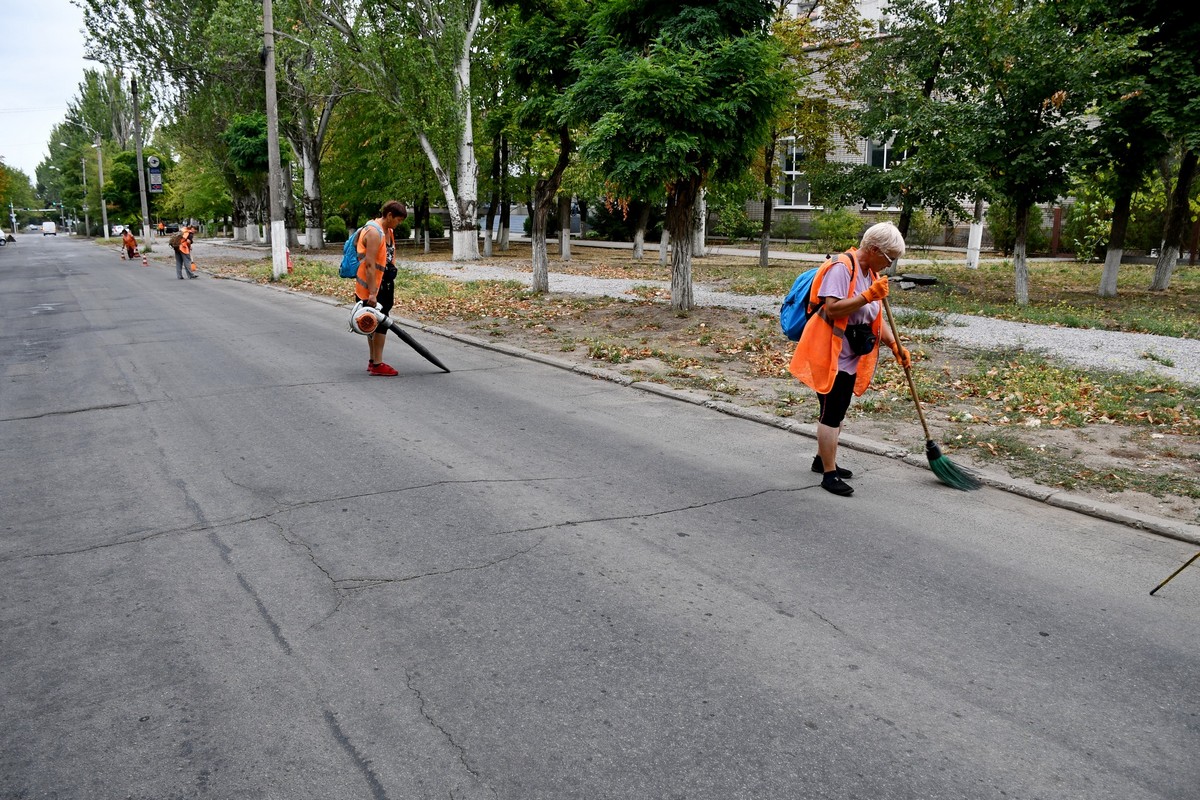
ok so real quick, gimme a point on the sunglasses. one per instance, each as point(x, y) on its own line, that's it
point(890, 260)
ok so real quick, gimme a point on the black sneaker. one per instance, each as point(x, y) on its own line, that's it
point(832, 483)
point(819, 468)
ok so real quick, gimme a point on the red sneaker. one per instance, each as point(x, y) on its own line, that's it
point(381, 369)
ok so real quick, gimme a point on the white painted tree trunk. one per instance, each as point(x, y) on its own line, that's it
point(1112, 265)
point(503, 237)
point(975, 237)
point(426, 241)
point(700, 226)
point(664, 246)
point(487, 245)
point(639, 244)
point(314, 230)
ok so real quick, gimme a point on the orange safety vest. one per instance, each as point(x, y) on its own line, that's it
point(361, 290)
point(815, 362)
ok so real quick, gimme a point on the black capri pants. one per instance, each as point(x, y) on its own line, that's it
point(836, 403)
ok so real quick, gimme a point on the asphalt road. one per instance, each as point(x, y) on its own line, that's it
point(232, 565)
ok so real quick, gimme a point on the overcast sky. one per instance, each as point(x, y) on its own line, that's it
point(41, 67)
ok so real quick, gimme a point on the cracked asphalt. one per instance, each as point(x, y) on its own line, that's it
point(232, 565)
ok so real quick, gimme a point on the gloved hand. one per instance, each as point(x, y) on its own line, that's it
point(903, 357)
point(877, 290)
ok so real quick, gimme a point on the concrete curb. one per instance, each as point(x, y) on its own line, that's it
point(1173, 529)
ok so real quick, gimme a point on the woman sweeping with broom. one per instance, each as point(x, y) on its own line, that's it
point(836, 355)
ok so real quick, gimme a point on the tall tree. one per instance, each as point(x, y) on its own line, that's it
point(996, 88)
point(676, 93)
point(541, 46)
point(1174, 78)
point(417, 57)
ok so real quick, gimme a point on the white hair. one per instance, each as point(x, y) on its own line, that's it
point(885, 237)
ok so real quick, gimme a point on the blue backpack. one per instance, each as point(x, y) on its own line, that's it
point(349, 268)
point(797, 308)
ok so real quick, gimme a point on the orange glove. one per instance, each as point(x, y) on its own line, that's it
point(877, 290)
point(903, 357)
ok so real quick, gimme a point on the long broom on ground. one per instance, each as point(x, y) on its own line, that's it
point(947, 471)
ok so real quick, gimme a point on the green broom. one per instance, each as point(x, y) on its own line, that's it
point(946, 470)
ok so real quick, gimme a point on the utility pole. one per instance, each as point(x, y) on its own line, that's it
point(100, 173)
point(274, 177)
point(137, 140)
point(87, 223)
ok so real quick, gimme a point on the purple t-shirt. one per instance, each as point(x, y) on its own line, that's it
point(837, 286)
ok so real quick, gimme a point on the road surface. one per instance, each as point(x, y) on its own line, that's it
point(232, 565)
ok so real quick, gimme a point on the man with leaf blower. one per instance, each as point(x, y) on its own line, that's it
point(375, 283)
point(836, 355)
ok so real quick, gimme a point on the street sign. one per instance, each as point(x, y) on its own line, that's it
point(156, 183)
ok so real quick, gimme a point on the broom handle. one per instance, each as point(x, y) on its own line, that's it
point(912, 387)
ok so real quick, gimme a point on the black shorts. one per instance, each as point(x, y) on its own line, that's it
point(836, 403)
point(387, 290)
point(386, 296)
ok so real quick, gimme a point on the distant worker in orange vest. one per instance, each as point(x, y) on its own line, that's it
point(130, 243)
point(183, 253)
point(375, 283)
point(161, 228)
point(837, 352)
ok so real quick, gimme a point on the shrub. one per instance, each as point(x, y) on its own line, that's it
point(403, 231)
point(335, 229)
point(732, 221)
point(837, 230)
point(923, 230)
point(786, 227)
point(437, 228)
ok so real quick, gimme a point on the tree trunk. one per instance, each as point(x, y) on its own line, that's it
point(1020, 265)
point(582, 216)
point(699, 227)
point(505, 195)
point(639, 235)
point(1177, 216)
point(314, 209)
point(494, 199)
point(543, 195)
point(975, 237)
point(764, 244)
point(905, 220)
point(1116, 242)
point(289, 213)
point(564, 224)
point(682, 201)
point(664, 246)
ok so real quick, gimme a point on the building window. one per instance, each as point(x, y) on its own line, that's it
point(794, 190)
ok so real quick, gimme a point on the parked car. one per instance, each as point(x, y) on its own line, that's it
point(49, 229)
point(33, 227)
point(171, 227)
point(117, 230)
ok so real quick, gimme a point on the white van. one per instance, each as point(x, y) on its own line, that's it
point(49, 229)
